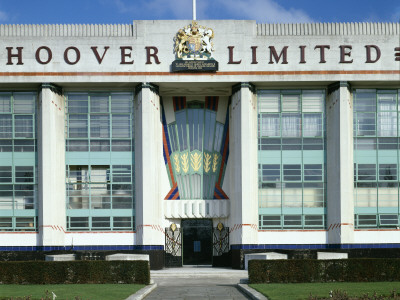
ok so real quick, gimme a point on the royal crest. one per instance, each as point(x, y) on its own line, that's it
point(194, 42)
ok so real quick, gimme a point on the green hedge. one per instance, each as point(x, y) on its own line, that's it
point(61, 272)
point(311, 270)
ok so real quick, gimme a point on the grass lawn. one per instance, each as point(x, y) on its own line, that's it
point(294, 291)
point(70, 291)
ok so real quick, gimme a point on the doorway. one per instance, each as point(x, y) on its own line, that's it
point(197, 241)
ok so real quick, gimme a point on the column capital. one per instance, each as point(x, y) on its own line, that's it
point(338, 84)
point(53, 87)
point(237, 87)
point(147, 85)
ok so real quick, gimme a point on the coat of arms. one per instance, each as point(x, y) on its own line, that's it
point(194, 42)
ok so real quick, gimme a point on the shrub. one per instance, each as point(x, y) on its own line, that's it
point(311, 270)
point(59, 272)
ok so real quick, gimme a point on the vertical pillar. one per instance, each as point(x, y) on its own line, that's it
point(148, 161)
point(51, 166)
point(243, 172)
point(340, 174)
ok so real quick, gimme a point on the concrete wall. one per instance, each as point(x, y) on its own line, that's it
point(246, 38)
point(51, 166)
point(148, 162)
point(243, 167)
point(292, 237)
point(99, 238)
point(340, 174)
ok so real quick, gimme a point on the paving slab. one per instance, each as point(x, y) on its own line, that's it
point(197, 282)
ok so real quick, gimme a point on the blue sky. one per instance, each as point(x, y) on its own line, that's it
point(263, 11)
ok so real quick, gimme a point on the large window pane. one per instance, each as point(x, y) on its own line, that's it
point(365, 102)
point(387, 124)
point(78, 126)
point(6, 126)
point(291, 103)
point(23, 126)
point(5, 103)
point(269, 102)
point(24, 174)
point(5, 174)
point(270, 125)
point(366, 172)
point(312, 125)
point(78, 103)
point(121, 126)
point(121, 103)
point(121, 145)
point(24, 103)
point(291, 125)
point(99, 126)
point(313, 101)
point(365, 124)
point(99, 103)
point(387, 102)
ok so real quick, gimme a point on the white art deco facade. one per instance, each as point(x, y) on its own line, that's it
point(197, 141)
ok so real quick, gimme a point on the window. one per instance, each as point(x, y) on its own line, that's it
point(99, 122)
point(18, 162)
point(100, 182)
point(18, 193)
point(271, 222)
point(376, 156)
point(99, 187)
point(17, 122)
point(292, 184)
point(99, 223)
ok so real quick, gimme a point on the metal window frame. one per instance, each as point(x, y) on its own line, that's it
point(303, 159)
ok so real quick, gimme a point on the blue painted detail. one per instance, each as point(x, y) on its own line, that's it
point(164, 123)
point(224, 135)
point(173, 193)
point(219, 193)
point(312, 246)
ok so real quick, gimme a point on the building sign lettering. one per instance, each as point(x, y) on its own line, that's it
point(270, 54)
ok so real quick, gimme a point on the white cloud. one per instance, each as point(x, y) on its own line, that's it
point(264, 11)
point(260, 10)
point(3, 16)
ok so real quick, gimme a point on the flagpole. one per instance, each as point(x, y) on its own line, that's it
point(194, 10)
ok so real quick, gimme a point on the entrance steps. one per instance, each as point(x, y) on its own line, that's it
point(200, 272)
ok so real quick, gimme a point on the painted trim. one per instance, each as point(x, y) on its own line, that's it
point(258, 73)
point(218, 192)
point(53, 87)
point(313, 246)
point(82, 248)
point(146, 85)
point(211, 103)
point(179, 103)
point(337, 85)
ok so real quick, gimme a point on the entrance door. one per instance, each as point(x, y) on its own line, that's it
point(197, 241)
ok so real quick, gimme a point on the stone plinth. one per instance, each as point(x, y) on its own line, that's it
point(60, 257)
point(121, 256)
point(332, 255)
point(267, 255)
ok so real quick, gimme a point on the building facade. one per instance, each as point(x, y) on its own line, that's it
point(196, 141)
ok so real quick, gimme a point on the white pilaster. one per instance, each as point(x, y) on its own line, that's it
point(51, 166)
point(243, 173)
point(148, 165)
point(340, 176)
